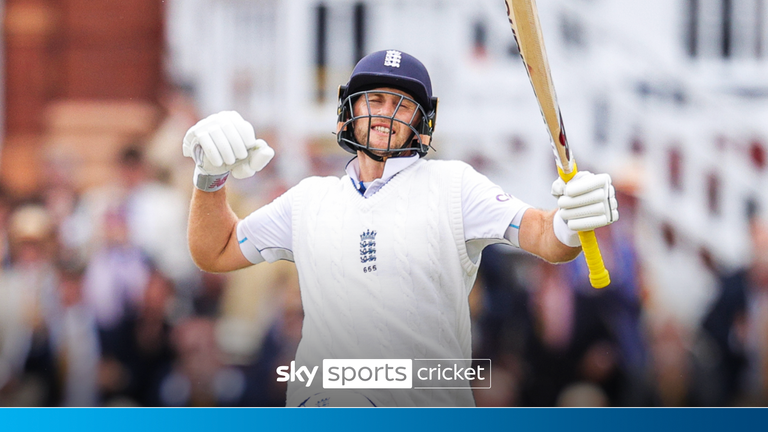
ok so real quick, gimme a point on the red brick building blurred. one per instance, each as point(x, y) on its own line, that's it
point(81, 78)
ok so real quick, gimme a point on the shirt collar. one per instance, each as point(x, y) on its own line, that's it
point(391, 167)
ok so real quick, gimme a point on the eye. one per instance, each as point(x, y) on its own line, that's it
point(375, 98)
point(408, 105)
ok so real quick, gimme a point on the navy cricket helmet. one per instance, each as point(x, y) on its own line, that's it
point(393, 69)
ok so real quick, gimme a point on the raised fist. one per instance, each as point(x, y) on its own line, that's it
point(222, 143)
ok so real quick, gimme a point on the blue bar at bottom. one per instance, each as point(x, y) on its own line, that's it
point(383, 419)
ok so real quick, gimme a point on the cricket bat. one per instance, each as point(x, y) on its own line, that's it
point(524, 19)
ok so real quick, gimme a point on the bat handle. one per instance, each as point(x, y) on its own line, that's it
point(598, 274)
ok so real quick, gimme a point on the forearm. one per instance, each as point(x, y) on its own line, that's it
point(212, 232)
point(220, 144)
point(537, 236)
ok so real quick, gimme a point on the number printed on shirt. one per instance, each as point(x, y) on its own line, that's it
point(369, 269)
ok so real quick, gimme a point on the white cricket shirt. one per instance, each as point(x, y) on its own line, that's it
point(385, 268)
point(488, 214)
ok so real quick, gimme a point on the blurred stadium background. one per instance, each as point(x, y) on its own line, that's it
point(100, 304)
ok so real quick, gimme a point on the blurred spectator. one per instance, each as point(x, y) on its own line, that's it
point(63, 202)
point(552, 335)
point(164, 144)
point(5, 209)
point(756, 334)
point(115, 280)
point(278, 348)
point(75, 340)
point(131, 374)
point(736, 327)
point(671, 366)
point(501, 309)
point(152, 353)
point(208, 299)
point(582, 394)
point(199, 378)
point(501, 322)
point(155, 215)
point(252, 313)
point(620, 305)
point(559, 331)
point(504, 389)
point(28, 290)
point(571, 341)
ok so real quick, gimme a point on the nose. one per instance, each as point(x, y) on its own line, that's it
point(389, 106)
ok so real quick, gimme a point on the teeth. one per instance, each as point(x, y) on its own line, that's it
point(382, 129)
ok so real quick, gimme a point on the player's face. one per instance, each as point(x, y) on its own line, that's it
point(382, 132)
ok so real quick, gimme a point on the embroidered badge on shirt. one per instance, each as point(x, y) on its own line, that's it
point(368, 249)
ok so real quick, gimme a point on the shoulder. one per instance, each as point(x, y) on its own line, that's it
point(446, 163)
point(318, 182)
point(446, 166)
point(453, 170)
point(316, 185)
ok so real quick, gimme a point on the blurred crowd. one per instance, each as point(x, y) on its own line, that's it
point(101, 305)
point(556, 341)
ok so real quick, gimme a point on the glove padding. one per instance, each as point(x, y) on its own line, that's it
point(587, 201)
point(225, 142)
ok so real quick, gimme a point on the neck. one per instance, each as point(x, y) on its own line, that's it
point(370, 169)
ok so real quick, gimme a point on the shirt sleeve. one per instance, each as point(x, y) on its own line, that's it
point(267, 233)
point(489, 213)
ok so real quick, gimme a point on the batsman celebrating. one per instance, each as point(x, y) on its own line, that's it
point(387, 254)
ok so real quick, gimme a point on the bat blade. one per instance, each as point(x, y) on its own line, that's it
point(524, 20)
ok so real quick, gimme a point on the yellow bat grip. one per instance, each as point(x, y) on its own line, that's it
point(598, 274)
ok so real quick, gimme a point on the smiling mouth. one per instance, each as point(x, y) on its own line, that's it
point(383, 130)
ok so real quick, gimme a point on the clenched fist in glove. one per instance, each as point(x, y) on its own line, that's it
point(222, 143)
point(586, 202)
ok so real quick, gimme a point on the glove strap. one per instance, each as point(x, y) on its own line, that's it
point(209, 182)
point(566, 235)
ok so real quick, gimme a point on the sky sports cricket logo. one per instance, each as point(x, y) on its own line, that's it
point(393, 374)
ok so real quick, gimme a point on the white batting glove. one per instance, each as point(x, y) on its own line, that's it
point(586, 202)
point(222, 143)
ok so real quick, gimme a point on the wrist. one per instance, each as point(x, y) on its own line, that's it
point(209, 182)
point(564, 234)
